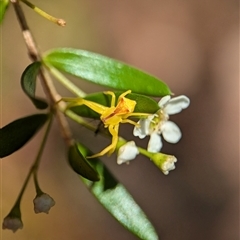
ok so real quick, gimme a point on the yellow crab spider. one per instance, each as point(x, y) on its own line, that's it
point(110, 116)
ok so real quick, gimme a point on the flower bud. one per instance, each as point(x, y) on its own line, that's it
point(127, 152)
point(164, 162)
point(43, 203)
point(169, 165)
point(12, 223)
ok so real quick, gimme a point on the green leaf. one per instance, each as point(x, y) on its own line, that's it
point(118, 201)
point(28, 83)
point(80, 164)
point(105, 71)
point(17, 133)
point(3, 7)
point(144, 104)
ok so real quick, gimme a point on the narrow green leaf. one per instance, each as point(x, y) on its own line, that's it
point(105, 71)
point(17, 133)
point(144, 104)
point(3, 7)
point(80, 164)
point(28, 83)
point(118, 201)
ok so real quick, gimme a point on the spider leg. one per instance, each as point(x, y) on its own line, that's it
point(124, 94)
point(96, 107)
point(113, 97)
point(114, 131)
point(109, 149)
point(137, 114)
point(130, 121)
point(126, 120)
point(72, 102)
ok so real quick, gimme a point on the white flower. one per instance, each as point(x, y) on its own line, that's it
point(158, 123)
point(43, 203)
point(12, 223)
point(127, 152)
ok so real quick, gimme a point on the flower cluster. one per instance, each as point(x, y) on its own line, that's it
point(154, 126)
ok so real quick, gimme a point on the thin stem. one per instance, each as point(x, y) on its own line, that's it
point(20, 15)
point(58, 21)
point(122, 141)
point(37, 161)
point(47, 84)
point(18, 201)
point(32, 50)
point(65, 82)
point(34, 167)
point(39, 155)
point(145, 152)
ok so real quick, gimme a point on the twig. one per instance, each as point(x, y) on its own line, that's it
point(58, 21)
point(46, 81)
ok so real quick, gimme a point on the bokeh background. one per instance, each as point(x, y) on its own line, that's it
point(193, 46)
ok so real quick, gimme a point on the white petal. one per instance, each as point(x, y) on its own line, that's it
point(171, 132)
point(164, 101)
point(143, 130)
point(127, 152)
point(155, 143)
point(177, 104)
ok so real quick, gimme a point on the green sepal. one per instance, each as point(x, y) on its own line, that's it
point(28, 83)
point(113, 196)
point(17, 133)
point(144, 104)
point(105, 71)
point(80, 164)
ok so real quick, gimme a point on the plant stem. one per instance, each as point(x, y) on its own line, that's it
point(39, 155)
point(34, 168)
point(18, 201)
point(58, 21)
point(65, 82)
point(145, 152)
point(47, 84)
point(60, 108)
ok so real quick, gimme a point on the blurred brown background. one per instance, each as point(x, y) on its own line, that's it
point(193, 46)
